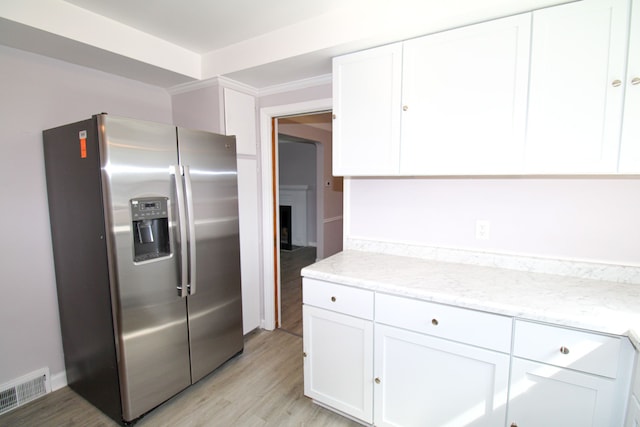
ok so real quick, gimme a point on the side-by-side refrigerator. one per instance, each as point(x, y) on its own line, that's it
point(144, 223)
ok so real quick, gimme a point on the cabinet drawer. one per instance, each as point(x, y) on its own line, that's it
point(582, 351)
point(342, 299)
point(458, 324)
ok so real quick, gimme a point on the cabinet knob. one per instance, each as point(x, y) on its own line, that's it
point(333, 116)
point(377, 380)
point(304, 354)
point(434, 322)
point(405, 107)
point(635, 81)
point(514, 425)
point(333, 299)
point(564, 350)
point(616, 83)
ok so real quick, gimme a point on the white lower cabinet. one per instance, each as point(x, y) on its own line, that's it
point(388, 360)
point(338, 348)
point(339, 361)
point(633, 411)
point(562, 376)
point(633, 416)
point(544, 395)
point(426, 381)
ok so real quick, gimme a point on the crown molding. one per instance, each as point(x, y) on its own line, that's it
point(226, 82)
point(296, 85)
point(219, 81)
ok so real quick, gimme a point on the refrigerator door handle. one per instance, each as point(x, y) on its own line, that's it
point(192, 230)
point(176, 171)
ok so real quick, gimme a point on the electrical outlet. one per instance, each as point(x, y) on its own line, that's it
point(483, 229)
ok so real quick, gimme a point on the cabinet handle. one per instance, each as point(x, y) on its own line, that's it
point(333, 299)
point(616, 83)
point(635, 81)
point(564, 350)
point(377, 380)
point(405, 107)
point(434, 322)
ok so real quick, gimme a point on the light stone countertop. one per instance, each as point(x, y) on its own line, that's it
point(601, 306)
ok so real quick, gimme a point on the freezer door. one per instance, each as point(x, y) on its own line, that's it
point(215, 304)
point(150, 317)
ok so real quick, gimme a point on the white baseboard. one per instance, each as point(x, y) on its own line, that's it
point(58, 380)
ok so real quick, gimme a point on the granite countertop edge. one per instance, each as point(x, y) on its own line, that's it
point(594, 305)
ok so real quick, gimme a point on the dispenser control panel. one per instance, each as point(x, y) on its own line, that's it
point(148, 208)
point(150, 228)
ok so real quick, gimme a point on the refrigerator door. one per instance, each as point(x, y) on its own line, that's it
point(151, 321)
point(215, 304)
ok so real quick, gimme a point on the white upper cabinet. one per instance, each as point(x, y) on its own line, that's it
point(576, 87)
point(551, 92)
point(464, 99)
point(366, 125)
point(630, 146)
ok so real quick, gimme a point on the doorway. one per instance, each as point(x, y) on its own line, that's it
point(269, 125)
point(300, 198)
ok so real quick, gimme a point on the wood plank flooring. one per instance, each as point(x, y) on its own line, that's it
point(291, 262)
point(261, 387)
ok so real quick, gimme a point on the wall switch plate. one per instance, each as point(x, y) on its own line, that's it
point(483, 229)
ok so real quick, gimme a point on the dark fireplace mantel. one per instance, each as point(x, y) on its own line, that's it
point(286, 238)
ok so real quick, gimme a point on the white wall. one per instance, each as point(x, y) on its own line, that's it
point(199, 109)
point(297, 166)
point(39, 93)
point(332, 210)
point(586, 219)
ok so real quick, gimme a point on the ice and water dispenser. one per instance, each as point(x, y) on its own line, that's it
point(150, 228)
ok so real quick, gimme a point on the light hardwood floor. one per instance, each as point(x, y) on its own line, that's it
point(291, 262)
point(261, 387)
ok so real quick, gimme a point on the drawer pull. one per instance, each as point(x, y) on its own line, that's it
point(333, 299)
point(564, 350)
point(434, 322)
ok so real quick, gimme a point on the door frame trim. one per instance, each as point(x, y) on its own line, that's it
point(270, 239)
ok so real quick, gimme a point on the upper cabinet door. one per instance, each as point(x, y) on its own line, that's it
point(630, 148)
point(464, 99)
point(576, 89)
point(366, 125)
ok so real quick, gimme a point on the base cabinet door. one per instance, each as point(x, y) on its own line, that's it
point(633, 416)
point(338, 364)
point(633, 411)
point(426, 381)
point(545, 395)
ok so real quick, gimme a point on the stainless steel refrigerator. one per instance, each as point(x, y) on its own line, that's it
point(144, 223)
